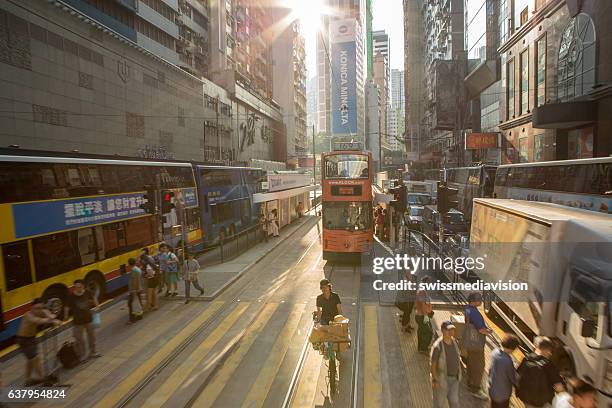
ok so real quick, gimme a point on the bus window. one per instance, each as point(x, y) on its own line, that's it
point(114, 239)
point(139, 233)
point(192, 219)
point(56, 254)
point(16, 265)
point(73, 177)
point(245, 211)
point(348, 215)
point(87, 246)
point(584, 299)
point(346, 166)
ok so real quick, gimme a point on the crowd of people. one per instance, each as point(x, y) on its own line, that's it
point(148, 277)
point(536, 381)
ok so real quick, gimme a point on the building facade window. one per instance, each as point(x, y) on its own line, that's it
point(543, 147)
point(524, 82)
point(523, 150)
point(504, 17)
point(510, 88)
point(576, 64)
point(540, 78)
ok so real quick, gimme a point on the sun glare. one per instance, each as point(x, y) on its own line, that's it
point(308, 12)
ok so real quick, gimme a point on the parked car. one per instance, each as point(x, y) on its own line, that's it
point(414, 217)
point(453, 222)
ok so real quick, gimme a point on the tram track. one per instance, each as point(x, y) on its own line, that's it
point(214, 320)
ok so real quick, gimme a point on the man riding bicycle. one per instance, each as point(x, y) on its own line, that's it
point(328, 303)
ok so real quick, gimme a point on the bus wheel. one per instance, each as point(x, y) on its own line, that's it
point(95, 284)
point(55, 298)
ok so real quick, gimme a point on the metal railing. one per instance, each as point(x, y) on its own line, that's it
point(231, 247)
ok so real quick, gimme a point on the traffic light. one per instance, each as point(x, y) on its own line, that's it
point(148, 204)
point(167, 201)
point(447, 198)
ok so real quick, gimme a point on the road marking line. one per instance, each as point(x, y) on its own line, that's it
point(372, 381)
point(215, 387)
point(125, 386)
point(261, 387)
point(182, 373)
point(307, 387)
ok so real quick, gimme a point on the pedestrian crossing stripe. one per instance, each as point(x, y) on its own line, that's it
point(372, 380)
point(182, 373)
point(246, 340)
point(127, 384)
point(260, 388)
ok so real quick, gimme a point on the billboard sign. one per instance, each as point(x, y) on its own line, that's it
point(343, 77)
point(481, 140)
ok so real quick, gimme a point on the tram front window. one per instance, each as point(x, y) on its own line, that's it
point(347, 215)
point(349, 166)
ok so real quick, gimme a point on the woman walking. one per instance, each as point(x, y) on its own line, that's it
point(191, 270)
point(274, 223)
point(168, 264)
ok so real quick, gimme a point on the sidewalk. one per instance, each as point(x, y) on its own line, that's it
point(216, 278)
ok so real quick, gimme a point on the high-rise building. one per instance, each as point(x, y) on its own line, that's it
point(397, 111)
point(414, 71)
point(340, 9)
point(382, 82)
point(373, 134)
point(311, 104)
point(289, 75)
point(381, 42)
point(242, 41)
point(369, 39)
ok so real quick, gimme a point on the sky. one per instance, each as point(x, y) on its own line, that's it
point(388, 16)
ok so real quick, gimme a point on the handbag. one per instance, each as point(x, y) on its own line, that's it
point(96, 320)
point(471, 339)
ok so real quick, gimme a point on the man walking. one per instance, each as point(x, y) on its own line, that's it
point(191, 270)
point(80, 303)
point(445, 368)
point(26, 339)
point(474, 339)
point(502, 375)
point(150, 272)
point(539, 378)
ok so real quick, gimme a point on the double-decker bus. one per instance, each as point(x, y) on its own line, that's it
point(470, 182)
point(68, 218)
point(347, 203)
point(582, 183)
point(226, 197)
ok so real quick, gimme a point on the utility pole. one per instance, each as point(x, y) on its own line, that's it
point(217, 127)
point(314, 166)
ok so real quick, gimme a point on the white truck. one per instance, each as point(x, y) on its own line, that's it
point(565, 257)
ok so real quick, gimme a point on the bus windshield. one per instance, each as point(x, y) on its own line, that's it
point(416, 211)
point(419, 199)
point(348, 166)
point(348, 215)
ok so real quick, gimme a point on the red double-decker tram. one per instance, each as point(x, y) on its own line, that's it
point(347, 202)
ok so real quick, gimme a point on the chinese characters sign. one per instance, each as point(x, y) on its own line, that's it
point(53, 216)
point(481, 140)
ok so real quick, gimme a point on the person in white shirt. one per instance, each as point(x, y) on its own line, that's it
point(580, 394)
point(191, 270)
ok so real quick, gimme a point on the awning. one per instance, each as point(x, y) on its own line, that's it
point(564, 115)
point(279, 195)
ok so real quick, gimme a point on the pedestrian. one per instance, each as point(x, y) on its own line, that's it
point(502, 374)
point(405, 303)
point(161, 282)
point(380, 223)
point(134, 289)
point(539, 378)
point(445, 368)
point(473, 341)
point(150, 272)
point(263, 224)
point(168, 264)
point(581, 394)
point(299, 209)
point(26, 339)
point(274, 226)
point(422, 315)
point(191, 271)
point(80, 303)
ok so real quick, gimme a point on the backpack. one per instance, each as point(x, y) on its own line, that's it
point(67, 355)
point(533, 387)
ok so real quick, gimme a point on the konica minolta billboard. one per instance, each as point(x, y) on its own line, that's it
point(343, 77)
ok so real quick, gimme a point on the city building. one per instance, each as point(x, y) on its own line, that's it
point(556, 79)
point(397, 111)
point(381, 80)
point(381, 46)
point(369, 39)
point(340, 9)
point(413, 77)
point(289, 75)
point(445, 106)
point(72, 84)
point(483, 81)
point(311, 104)
point(242, 41)
point(373, 113)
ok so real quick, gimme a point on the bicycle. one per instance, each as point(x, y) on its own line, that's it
point(328, 350)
